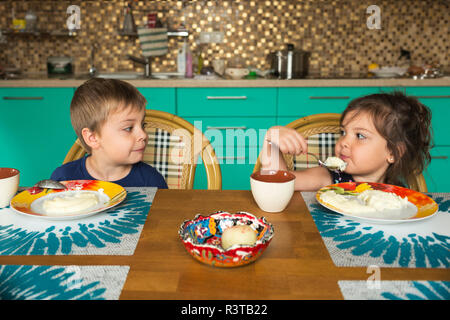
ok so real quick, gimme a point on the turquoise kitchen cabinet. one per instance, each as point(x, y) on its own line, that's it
point(217, 102)
point(162, 99)
point(35, 130)
point(392, 89)
point(302, 102)
point(237, 142)
point(244, 132)
point(294, 103)
point(235, 121)
point(234, 176)
point(35, 126)
point(437, 174)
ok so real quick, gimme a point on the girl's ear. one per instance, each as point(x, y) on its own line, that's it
point(90, 138)
point(401, 148)
point(391, 159)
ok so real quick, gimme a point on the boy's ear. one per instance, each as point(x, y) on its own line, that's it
point(90, 138)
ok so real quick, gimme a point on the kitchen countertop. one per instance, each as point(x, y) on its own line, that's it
point(41, 80)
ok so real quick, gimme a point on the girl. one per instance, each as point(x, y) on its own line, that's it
point(384, 138)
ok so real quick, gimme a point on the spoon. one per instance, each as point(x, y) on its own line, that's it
point(322, 164)
point(50, 184)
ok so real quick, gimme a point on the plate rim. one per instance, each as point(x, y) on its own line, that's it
point(376, 220)
point(119, 200)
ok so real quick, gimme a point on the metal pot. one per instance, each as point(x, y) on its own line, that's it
point(289, 63)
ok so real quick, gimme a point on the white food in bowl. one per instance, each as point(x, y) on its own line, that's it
point(240, 234)
point(70, 203)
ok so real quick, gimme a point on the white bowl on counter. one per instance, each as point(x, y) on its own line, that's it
point(236, 73)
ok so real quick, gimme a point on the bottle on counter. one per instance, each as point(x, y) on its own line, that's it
point(181, 59)
point(129, 26)
point(189, 71)
point(199, 57)
point(290, 58)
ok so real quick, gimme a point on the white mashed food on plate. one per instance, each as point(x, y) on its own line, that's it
point(336, 163)
point(70, 203)
point(369, 203)
point(380, 200)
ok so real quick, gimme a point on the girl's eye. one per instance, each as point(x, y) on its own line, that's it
point(128, 129)
point(144, 125)
point(342, 132)
point(360, 136)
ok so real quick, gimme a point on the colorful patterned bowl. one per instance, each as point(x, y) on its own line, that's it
point(202, 238)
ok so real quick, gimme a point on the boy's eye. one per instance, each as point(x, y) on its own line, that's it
point(342, 132)
point(144, 125)
point(128, 128)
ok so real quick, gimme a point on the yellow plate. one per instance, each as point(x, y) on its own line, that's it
point(426, 207)
point(114, 194)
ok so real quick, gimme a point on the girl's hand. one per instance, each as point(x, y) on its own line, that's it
point(287, 139)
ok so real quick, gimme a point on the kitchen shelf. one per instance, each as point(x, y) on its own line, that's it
point(37, 33)
point(170, 33)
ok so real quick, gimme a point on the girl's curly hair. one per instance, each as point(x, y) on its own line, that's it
point(405, 124)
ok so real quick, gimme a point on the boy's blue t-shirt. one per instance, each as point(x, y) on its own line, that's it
point(141, 174)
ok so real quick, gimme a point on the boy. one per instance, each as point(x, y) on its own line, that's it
point(108, 118)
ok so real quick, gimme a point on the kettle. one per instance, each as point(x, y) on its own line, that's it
point(289, 63)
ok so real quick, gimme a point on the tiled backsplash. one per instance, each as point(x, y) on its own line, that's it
point(334, 31)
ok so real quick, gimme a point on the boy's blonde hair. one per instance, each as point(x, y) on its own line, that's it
point(96, 99)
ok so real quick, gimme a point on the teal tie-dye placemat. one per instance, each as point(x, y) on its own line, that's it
point(20, 282)
point(395, 290)
point(112, 232)
point(419, 244)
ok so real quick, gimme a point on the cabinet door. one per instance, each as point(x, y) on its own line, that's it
point(234, 120)
point(244, 132)
point(35, 130)
point(438, 100)
point(226, 102)
point(437, 175)
point(294, 103)
point(162, 99)
point(234, 176)
point(237, 142)
point(392, 89)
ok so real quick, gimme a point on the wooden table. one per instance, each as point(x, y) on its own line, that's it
point(296, 265)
